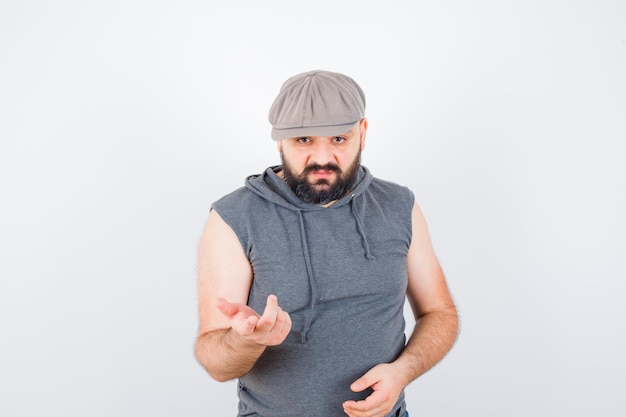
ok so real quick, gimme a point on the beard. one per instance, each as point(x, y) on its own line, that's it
point(321, 191)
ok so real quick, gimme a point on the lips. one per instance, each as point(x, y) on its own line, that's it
point(321, 173)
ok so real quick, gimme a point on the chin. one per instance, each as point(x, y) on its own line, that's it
point(322, 185)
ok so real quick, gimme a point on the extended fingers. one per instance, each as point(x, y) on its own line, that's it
point(242, 318)
point(269, 329)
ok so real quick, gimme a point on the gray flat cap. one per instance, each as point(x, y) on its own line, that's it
point(316, 103)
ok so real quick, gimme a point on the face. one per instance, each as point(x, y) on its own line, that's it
point(321, 169)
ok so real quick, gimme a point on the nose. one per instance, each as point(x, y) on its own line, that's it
point(322, 152)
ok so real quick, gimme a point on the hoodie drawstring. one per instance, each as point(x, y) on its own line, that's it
point(359, 226)
point(309, 272)
point(309, 267)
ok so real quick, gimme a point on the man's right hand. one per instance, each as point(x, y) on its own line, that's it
point(270, 329)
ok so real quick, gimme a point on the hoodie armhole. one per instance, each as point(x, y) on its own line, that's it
point(242, 237)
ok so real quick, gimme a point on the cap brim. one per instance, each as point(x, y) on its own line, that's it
point(296, 132)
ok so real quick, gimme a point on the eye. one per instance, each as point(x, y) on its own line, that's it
point(339, 139)
point(303, 139)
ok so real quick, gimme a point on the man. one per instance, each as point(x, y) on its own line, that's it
point(303, 272)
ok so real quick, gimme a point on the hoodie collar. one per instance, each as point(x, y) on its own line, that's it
point(273, 188)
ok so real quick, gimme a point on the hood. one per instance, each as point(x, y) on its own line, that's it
point(271, 187)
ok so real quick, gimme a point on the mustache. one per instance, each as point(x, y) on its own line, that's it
point(318, 167)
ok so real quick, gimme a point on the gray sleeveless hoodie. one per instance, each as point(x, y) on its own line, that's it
point(340, 272)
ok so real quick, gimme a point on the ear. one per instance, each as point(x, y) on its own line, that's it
point(363, 131)
point(279, 146)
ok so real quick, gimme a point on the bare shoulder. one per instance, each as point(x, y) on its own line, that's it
point(223, 271)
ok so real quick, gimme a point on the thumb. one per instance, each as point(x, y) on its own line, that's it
point(364, 382)
point(272, 302)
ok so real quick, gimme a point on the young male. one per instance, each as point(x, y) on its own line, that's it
point(304, 271)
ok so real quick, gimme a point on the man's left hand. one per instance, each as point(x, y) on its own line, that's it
point(387, 386)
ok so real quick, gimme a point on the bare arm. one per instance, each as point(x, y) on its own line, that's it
point(433, 336)
point(434, 310)
point(231, 336)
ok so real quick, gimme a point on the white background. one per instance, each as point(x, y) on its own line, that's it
point(122, 121)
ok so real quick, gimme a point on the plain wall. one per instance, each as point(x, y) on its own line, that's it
point(122, 121)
